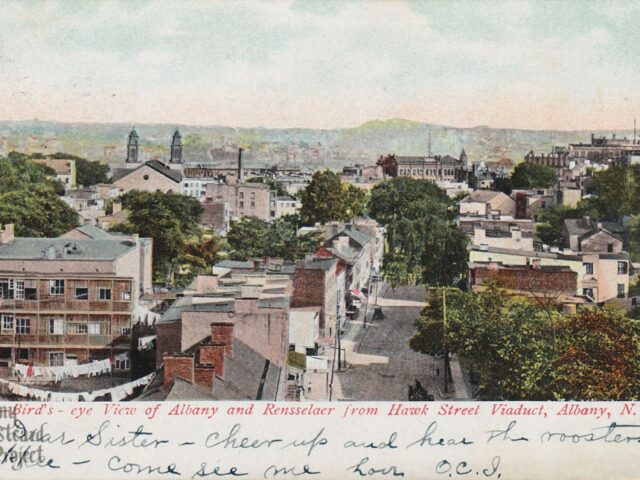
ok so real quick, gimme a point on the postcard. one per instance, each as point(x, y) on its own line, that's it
point(319, 239)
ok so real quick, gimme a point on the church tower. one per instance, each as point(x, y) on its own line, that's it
point(464, 160)
point(176, 148)
point(132, 147)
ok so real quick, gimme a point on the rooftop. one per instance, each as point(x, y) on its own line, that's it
point(65, 249)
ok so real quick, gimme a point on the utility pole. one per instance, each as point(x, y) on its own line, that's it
point(444, 340)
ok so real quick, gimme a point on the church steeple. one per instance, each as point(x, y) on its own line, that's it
point(132, 147)
point(463, 158)
point(176, 148)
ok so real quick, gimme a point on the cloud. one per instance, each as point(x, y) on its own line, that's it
point(320, 64)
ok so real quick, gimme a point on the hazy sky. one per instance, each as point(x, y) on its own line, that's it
point(321, 64)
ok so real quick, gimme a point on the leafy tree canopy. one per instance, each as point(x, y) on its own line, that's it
point(327, 198)
point(531, 175)
point(169, 219)
point(522, 354)
point(28, 199)
point(423, 243)
point(253, 237)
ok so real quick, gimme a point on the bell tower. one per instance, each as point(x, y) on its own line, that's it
point(132, 147)
point(176, 148)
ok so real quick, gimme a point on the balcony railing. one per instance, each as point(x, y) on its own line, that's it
point(57, 303)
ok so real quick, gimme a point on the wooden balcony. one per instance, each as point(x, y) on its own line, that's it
point(68, 340)
point(53, 303)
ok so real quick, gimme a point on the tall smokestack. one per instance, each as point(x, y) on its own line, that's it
point(240, 150)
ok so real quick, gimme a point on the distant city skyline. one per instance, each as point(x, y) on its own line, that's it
point(524, 64)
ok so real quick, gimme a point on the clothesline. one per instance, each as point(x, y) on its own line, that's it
point(97, 367)
point(117, 393)
point(144, 315)
point(145, 343)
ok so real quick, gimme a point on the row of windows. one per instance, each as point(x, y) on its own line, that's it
point(426, 171)
point(588, 292)
point(253, 204)
point(253, 195)
point(55, 326)
point(26, 290)
point(622, 268)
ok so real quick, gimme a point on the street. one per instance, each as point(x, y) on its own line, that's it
point(380, 363)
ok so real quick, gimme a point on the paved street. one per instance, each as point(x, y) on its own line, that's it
point(382, 365)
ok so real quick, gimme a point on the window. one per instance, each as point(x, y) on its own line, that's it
point(77, 329)
point(589, 268)
point(125, 296)
point(241, 204)
point(23, 326)
point(23, 354)
point(123, 363)
point(6, 288)
point(587, 292)
point(56, 287)
point(55, 326)
point(19, 292)
point(292, 347)
point(82, 293)
point(94, 329)
point(621, 290)
point(7, 323)
point(622, 268)
point(104, 294)
point(241, 194)
point(609, 247)
point(253, 204)
point(56, 359)
point(253, 195)
point(126, 331)
point(30, 290)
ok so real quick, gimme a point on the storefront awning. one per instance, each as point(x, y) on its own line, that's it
point(356, 293)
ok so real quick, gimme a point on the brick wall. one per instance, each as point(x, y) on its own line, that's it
point(176, 365)
point(222, 333)
point(212, 354)
point(203, 376)
point(528, 279)
point(168, 340)
point(309, 289)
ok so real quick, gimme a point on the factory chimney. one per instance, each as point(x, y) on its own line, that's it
point(240, 150)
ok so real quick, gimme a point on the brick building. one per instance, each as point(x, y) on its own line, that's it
point(244, 199)
point(68, 300)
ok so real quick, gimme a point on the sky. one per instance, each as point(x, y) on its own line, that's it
point(322, 64)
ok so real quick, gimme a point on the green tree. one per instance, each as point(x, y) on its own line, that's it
point(327, 198)
point(28, 199)
point(169, 219)
point(91, 172)
point(615, 191)
point(530, 175)
point(253, 237)
point(423, 244)
point(551, 221)
point(599, 359)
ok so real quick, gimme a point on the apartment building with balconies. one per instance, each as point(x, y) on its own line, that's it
point(66, 301)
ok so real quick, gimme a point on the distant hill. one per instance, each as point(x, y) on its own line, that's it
point(297, 146)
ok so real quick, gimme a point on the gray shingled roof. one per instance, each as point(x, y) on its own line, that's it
point(94, 232)
point(65, 249)
point(243, 374)
point(182, 305)
point(481, 196)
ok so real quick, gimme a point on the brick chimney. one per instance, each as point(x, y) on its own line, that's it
point(7, 234)
point(212, 354)
point(178, 365)
point(203, 376)
point(222, 334)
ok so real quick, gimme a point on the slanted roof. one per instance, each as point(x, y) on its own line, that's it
point(65, 249)
point(164, 170)
point(325, 264)
point(481, 196)
point(231, 264)
point(184, 304)
point(176, 390)
point(247, 376)
point(94, 232)
point(361, 238)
